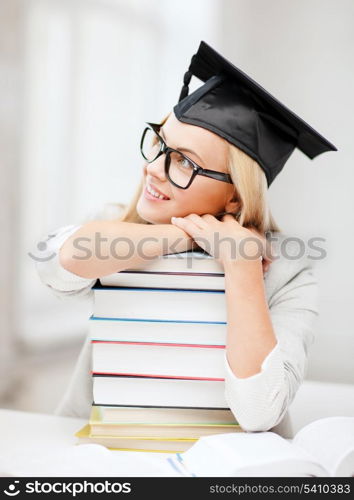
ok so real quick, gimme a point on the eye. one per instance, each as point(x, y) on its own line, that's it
point(183, 162)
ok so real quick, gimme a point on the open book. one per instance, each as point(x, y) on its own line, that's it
point(323, 448)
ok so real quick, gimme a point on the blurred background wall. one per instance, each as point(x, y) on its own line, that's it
point(78, 80)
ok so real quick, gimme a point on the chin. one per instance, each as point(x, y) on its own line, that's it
point(149, 217)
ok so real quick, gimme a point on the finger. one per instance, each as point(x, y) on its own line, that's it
point(267, 261)
point(263, 246)
point(267, 246)
point(269, 255)
point(197, 219)
point(209, 218)
point(264, 267)
point(272, 251)
point(187, 225)
point(228, 218)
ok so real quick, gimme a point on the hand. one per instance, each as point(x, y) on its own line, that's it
point(179, 240)
point(226, 240)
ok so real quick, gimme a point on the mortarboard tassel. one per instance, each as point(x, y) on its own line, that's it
point(185, 89)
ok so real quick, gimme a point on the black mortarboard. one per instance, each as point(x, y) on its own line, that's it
point(235, 107)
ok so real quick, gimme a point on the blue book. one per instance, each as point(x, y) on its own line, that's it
point(158, 330)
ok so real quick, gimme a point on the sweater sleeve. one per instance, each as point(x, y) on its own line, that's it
point(260, 401)
point(63, 283)
point(59, 280)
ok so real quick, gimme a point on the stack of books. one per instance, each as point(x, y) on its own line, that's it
point(158, 339)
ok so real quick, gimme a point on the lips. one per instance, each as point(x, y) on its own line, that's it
point(157, 190)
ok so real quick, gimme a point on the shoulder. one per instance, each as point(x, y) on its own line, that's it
point(293, 263)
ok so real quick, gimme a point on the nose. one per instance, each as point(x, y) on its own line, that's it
point(157, 168)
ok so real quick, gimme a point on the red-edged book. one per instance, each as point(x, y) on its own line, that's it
point(155, 359)
point(158, 374)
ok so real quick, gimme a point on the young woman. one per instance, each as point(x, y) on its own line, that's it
point(204, 184)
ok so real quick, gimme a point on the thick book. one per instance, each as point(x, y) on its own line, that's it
point(156, 303)
point(153, 391)
point(156, 359)
point(132, 443)
point(323, 448)
point(190, 261)
point(153, 429)
point(156, 330)
point(154, 415)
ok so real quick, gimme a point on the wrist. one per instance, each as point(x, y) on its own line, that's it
point(244, 278)
point(240, 252)
point(175, 239)
point(242, 265)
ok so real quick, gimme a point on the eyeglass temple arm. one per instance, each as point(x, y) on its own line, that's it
point(220, 176)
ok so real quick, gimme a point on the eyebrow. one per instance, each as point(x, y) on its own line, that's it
point(181, 148)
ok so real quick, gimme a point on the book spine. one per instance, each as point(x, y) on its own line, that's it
point(148, 320)
point(216, 408)
point(147, 375)
point(165, 344)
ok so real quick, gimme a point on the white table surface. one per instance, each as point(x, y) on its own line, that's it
point(35, 444)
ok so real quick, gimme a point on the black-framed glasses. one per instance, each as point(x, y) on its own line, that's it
point(179, 168)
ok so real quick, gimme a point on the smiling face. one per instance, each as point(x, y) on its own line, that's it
point(204, 195)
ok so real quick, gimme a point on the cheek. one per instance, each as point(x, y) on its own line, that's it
point(200, 198)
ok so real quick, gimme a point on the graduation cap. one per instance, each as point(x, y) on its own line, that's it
point(235, 107)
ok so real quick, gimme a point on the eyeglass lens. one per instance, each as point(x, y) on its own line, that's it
point(180, 169)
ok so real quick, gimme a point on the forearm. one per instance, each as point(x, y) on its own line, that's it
point(101, 247)
point(250, 334)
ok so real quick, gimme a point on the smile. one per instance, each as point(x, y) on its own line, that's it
point(155, 194)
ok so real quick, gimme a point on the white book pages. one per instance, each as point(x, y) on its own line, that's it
point(164, 280)
point(158, 360)
point(136, 330)
point(159, 392)
point(331, 441)
point(188, 305)
point(259, 454)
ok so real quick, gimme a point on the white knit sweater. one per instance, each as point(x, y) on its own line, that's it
point(259, 402)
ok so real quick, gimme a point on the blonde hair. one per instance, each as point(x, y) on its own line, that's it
point(251, 192)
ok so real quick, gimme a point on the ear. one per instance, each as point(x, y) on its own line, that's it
point(233, 204)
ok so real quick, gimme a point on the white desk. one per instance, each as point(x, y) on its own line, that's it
point(35, 444)
point(25, 436)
